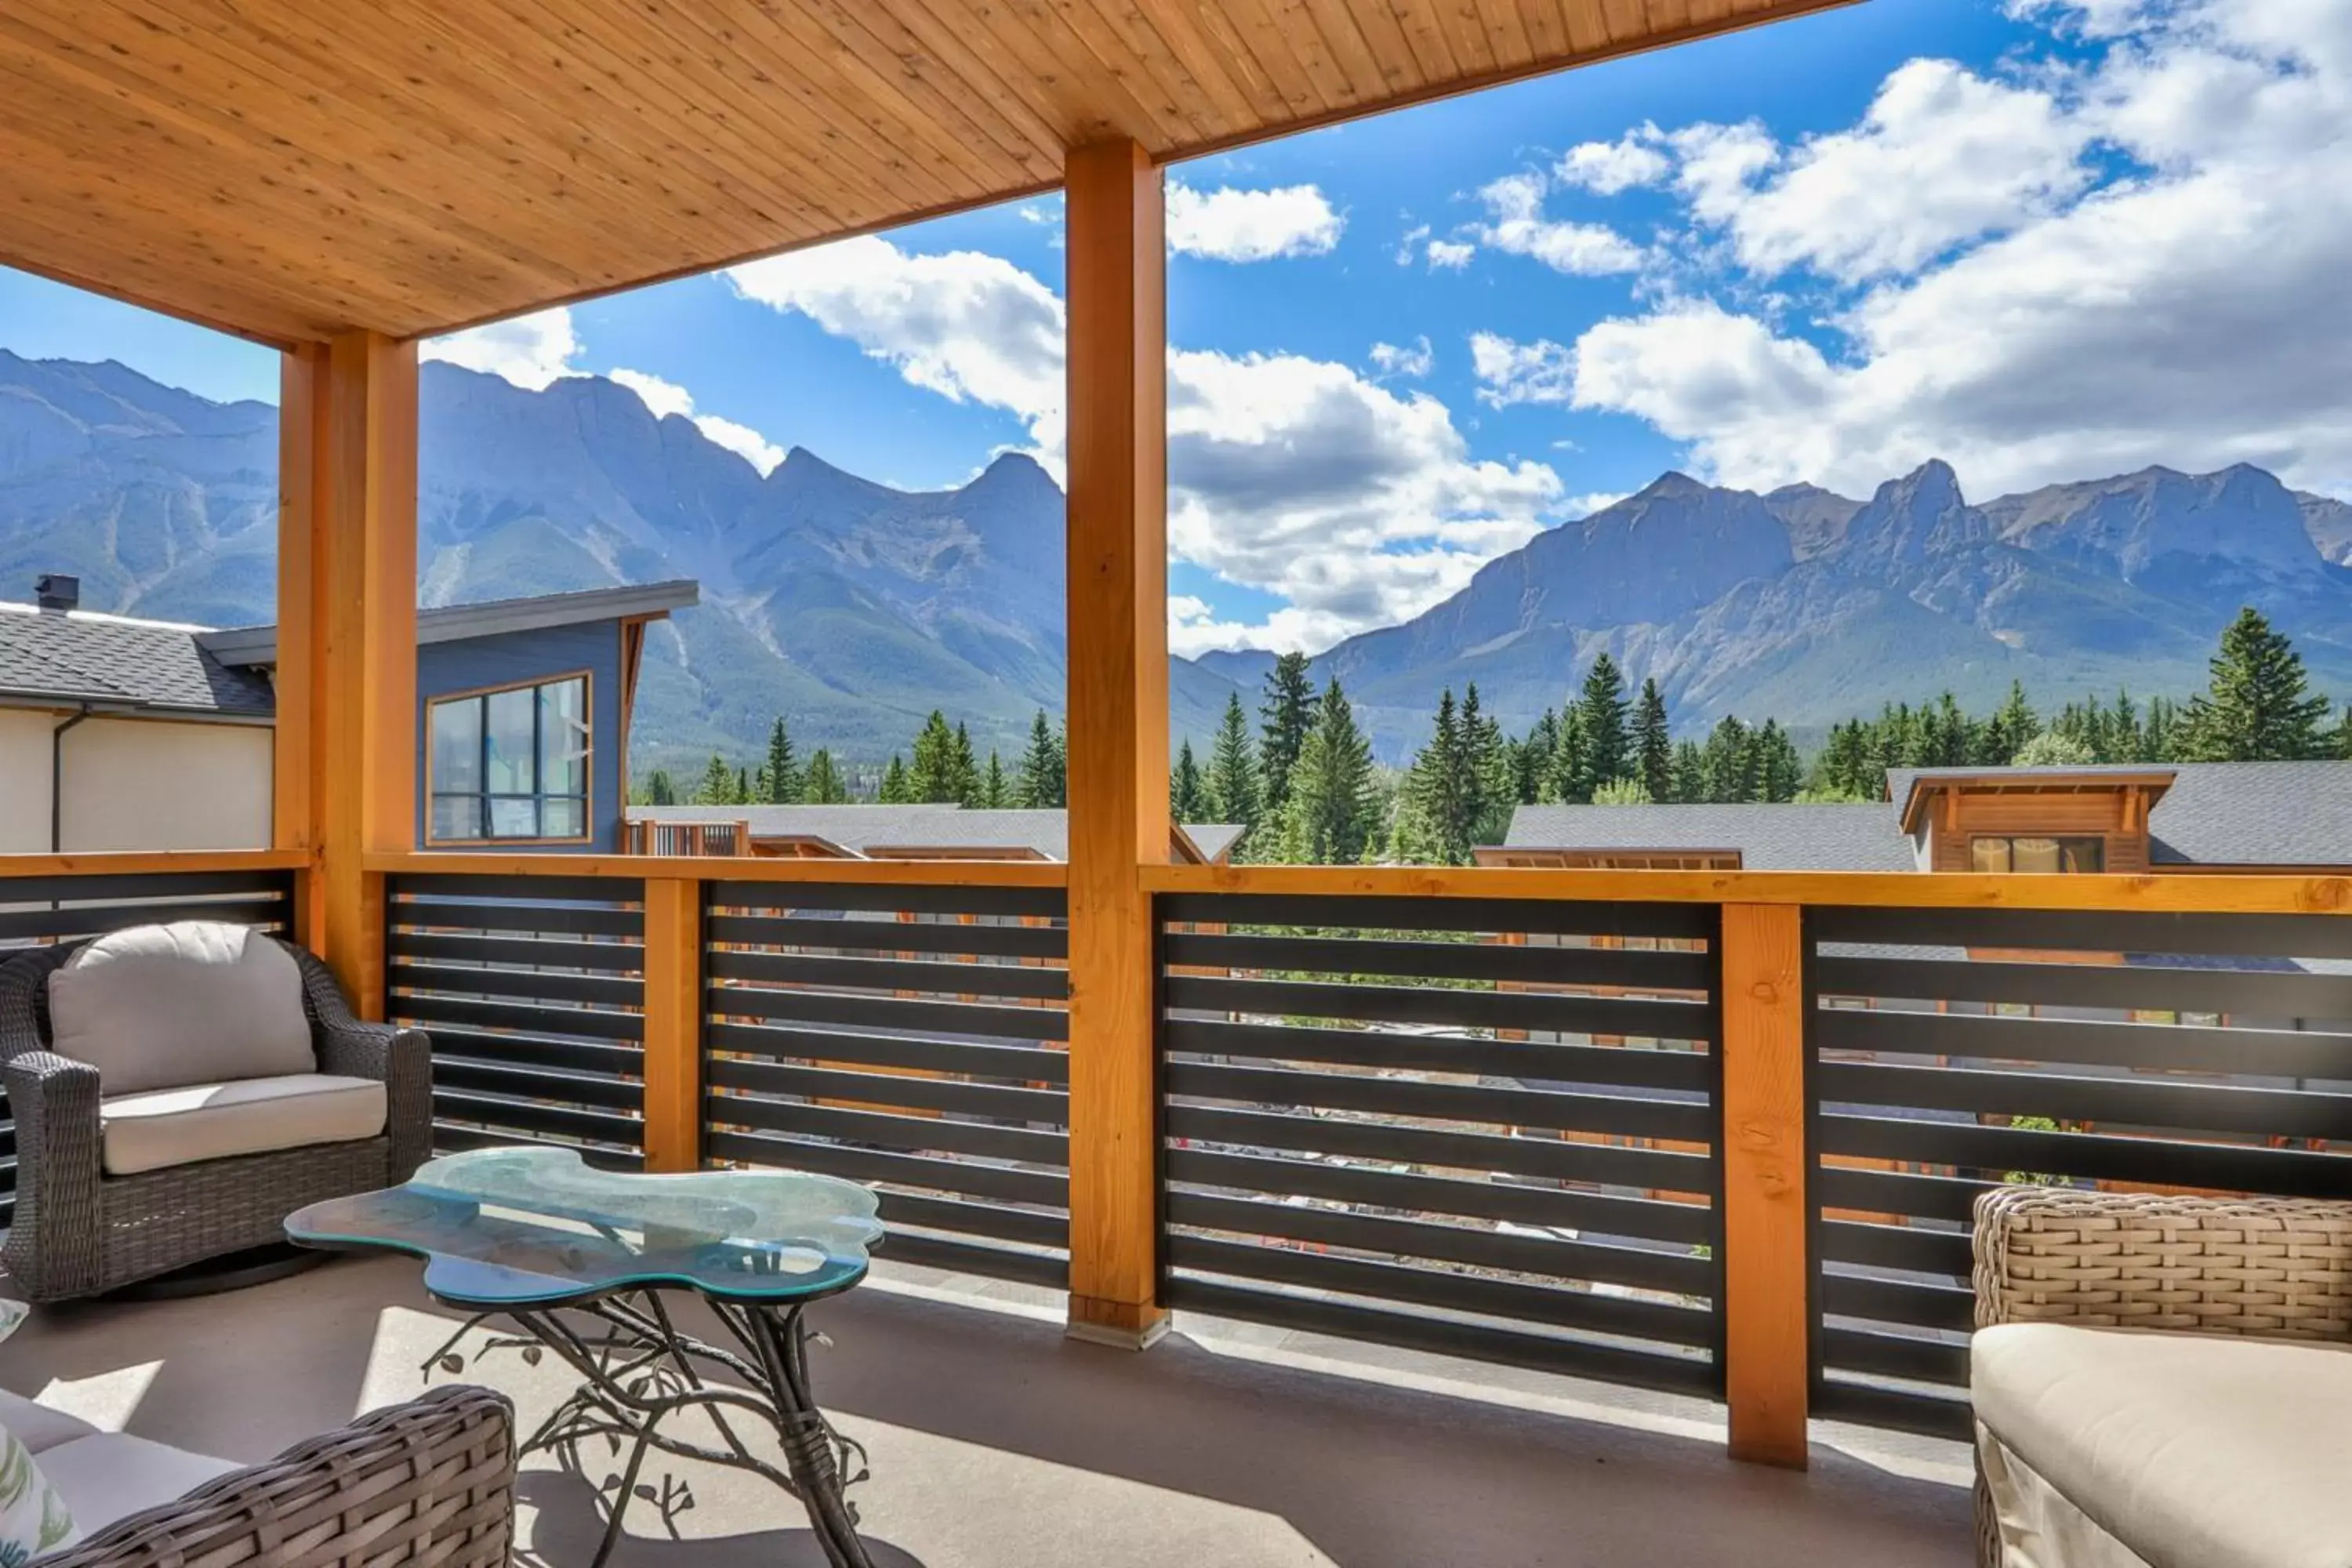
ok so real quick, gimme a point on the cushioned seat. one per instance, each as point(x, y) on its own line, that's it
point(163, 1127)
point(38, 1426)
point(2189, 1450)
point(112, 1475)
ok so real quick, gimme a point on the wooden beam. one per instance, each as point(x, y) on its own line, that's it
point(1767, 1332)
point(345, 774)
point(673, 1138)
point(144, 862)
point(1118, 628)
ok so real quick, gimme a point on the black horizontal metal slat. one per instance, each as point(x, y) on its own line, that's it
point(1476, 1341)
point(266, 912)
point(1321, 914)
point(1913, 1303)
point(725, 1141)
point(1906, 1356)
point(1528, 1061)
point(908, 898)
point(1044, 943)
point(470, 887)
point(1918, 1197)
point(1048, 1270)
point(1946, 1252)
point(450, 1138)
point(1550, 1158)
point(1019, 1063)
point(2131, 1101)
point(894, 1090)
point(2087, 931)
point(1684, 1272)
point(2179, 1047)
point(523, 984)
point(558, 1120)
point(609, 1059)
point(923, 1134)
point(518, 1081)
point(540, 954)
point(995, 1222)
point(968, 1019)
point(1639, 969)
point(1553, 1306)
point(1594, 1214)
point(115, 888)
point(2089, 1155)
point(1560, 1012)
point(2254, 993)
point(520, 1017)
point(1626, 1117)
point(1897, 1409)
point(574, 919)
point(948, 979)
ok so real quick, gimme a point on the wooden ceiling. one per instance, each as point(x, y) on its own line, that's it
point(287, 169)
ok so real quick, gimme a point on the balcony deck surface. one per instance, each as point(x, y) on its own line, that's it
point(997, 1443)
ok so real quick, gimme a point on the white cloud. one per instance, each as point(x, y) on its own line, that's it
point(1411, 361)
point(1516, 223)
point(666, 399)
point(1576, 508)
point(2186, 309)
point(1410, 245)
point(533, 350)
point(1606, 168)
point(1450, 254)
point(1230, 225)
point(1511, 372)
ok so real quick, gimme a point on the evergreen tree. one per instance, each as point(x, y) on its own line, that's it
point(1437, 805)
point(823, 785)
point(963, 781)
point(1571, 768)
point(995, 789)
point(1490, 783)
point(1185, 801)
point(1608, 747)
point(2256, 709)
point(2051, 750)
point(1622, 792)
point(1041, 783)
point(935, 773)
point(781, 779)
point(1331, 812)
point(1654, 743)
point(718, 785)
point(1778, 771)
point(896, 785)
point(1284, 716)
point(2159, 737)
point(1534, 760)
point(743, 795)
point(1232, 786)
point(659, 788)
point(1726, 763)
point(1690, 773)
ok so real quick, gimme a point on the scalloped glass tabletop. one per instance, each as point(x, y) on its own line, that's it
point(537, 1227)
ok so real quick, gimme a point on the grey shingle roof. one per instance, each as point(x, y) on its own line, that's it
point(1769, 837)
point(48, 656)
point(861, 829)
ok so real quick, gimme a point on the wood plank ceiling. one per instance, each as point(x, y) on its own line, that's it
point(287, 169)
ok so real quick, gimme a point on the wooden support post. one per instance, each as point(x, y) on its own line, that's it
point(345, 772)
point(673, 1024)
point(1768, 1337)
point(1118, 628)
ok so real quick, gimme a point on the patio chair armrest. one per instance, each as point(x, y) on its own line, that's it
point(2279, 1267)
point(401, 1059)
point(428, 1482)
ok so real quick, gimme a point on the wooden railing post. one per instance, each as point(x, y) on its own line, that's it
point(345, 774)
point(673, 1137)
point(1768, 1336)
point(1118, 628)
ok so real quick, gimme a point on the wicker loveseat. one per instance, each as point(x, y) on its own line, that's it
point(2162, 1381)
point(114, 1187)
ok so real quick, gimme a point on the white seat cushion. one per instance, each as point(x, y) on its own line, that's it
point(192, 1002)
point(2193, 1450)
point(250, 1115)
point(38, 1426)
point(112, 1475)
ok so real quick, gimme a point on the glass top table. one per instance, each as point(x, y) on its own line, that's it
point(579, 1259)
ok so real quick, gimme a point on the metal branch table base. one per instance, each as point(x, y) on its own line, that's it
point(638, 1371)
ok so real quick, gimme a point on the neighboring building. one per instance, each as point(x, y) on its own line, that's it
point(2183, 818)
point(118, 733)
point(943, 832)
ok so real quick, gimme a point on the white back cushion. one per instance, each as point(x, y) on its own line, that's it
point(193, 1001)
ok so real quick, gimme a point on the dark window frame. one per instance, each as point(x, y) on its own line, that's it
point(484, 797)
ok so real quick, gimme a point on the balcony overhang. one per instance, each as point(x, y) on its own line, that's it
point(286, 172)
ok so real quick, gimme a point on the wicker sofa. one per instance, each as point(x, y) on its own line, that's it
point(2162, 1381)
point(428, 1482)
point(88, 1222)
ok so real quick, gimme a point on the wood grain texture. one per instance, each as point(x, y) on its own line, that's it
point(142, 862)
point(1766, 1339)
point(728, 868)
point(673, 1135)
point(1118, 719)
point(2166, 892)
point(289, 171)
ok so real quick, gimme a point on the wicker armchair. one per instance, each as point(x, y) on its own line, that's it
point(2266, 1268)
point(428, 1482)
point(79, 1231)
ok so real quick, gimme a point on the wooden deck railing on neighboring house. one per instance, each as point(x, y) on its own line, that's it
point(1715, 1134)
point(650, 837)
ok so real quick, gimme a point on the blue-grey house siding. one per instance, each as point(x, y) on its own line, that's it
point(512, 658)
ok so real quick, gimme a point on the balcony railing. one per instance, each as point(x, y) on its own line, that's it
point(1718, 1134)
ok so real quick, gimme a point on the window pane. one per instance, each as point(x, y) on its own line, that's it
point(457, 746)
point(1989, 854)
point(563, 819)
point(2034, 854)
point(511, 714)
point(456, 816)
point(2084, 854)
point(563, 739)
point(514, 818)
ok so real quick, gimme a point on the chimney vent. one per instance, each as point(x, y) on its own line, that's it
point(55, 591)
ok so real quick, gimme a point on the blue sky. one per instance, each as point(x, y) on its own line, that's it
point(2046, 239)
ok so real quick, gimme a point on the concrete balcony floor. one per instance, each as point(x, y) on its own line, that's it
point(997, 1443)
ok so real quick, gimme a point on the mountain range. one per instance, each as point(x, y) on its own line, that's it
point(854, 608)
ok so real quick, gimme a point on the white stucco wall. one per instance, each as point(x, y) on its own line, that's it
point(24, 781)
point(145, 783)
